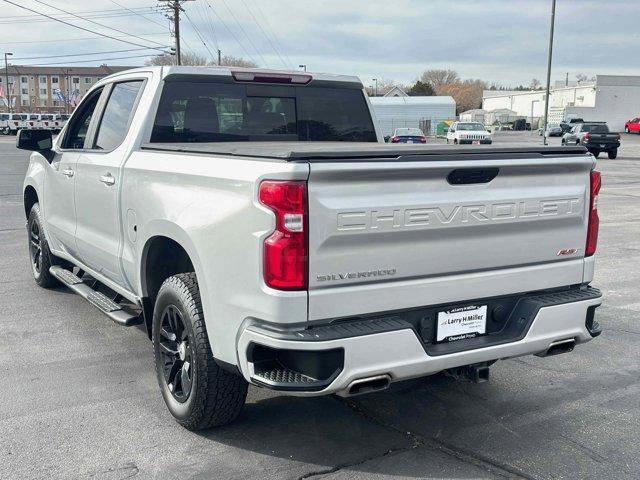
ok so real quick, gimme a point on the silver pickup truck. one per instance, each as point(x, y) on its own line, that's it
point(260, 230)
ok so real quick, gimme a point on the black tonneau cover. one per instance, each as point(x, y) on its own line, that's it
point(354, 151)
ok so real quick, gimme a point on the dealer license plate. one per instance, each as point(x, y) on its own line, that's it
point(461, 323)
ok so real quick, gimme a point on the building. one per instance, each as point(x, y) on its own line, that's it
point(396, 92)
point(611, 98)
point(475, 115)
point(49, 89)
point(417, 112)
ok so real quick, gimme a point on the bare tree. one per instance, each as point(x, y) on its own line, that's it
point(439, 78)
point(581, 77)
point(467, 93)
point(535, 84)
point(193, 59)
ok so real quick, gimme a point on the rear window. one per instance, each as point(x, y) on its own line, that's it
point(595, 128)
point(409, 132)
point(193, 112)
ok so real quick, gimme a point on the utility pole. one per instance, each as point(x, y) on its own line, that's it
point(375, 92)
point(566, 80)
point(176, 7)
point(548, 97)
point(6, 79)
point(219, 57)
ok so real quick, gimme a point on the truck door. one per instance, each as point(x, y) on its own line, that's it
point(59, 206)
point(99, 228)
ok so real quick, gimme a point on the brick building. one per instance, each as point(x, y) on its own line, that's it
point(49, 89)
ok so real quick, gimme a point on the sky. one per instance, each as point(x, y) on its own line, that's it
point(499, 41)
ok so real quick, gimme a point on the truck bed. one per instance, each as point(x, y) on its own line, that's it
point(352, 151)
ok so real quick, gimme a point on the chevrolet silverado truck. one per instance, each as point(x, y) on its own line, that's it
point(260, 231)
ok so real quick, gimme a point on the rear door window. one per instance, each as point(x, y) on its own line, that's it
point(117, 115)
point(217, 112)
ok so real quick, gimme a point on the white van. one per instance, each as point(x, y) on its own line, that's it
point(4, 123)
point(33, 121)
point(59, 121)
point(17, 121)
point(47, 121)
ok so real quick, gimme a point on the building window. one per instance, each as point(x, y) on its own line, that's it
point(24, 103)
point(25, 91)
point(43, 91)
point(87, 79)
point(76, 80)
point(56, 103)
point(55, 80)
point(24, 80)
point(43, 79)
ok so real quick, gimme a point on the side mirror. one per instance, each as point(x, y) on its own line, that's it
point(34, 140)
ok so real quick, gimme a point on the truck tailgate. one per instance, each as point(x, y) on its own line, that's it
point(387, 235)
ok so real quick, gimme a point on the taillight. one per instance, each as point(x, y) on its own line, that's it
point(395, 139)
point(423, 139)
point(587, 136)
point(594, 220)
point(285, 250)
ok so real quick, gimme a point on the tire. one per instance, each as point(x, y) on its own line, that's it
point(40, 256)
point(626, 129)
point(455, 141)
point(613, 154)
point(211, 397)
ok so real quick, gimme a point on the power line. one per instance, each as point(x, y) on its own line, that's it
point(136, 13)
point(231, 32)
point(106, 12)
point(79, 27)
point(198, 33)
point(93, 60)
point(75, 39)
point(266, 36)
point(95, 23)
point(244, 32)
point(206, 21)
point(83, 54)
point(275, 37)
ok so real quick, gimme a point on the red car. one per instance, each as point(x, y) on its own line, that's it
point(632, 126)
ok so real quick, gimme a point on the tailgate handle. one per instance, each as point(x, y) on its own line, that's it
point(469, 176)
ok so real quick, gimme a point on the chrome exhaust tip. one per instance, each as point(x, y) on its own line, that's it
point(559, 346)
point(368, 385)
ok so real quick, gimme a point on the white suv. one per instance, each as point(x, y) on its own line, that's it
point(468, 132)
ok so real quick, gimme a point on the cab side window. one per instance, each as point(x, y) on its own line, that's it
point(79, 124)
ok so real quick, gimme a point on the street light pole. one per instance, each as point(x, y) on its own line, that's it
point(375, 93)
point(6, 79)
point(548, 95)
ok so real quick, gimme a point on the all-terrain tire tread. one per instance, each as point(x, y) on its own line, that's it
point(220, 394)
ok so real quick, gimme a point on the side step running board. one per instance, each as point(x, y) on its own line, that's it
point(103, 303)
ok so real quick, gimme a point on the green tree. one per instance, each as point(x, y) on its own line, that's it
point(421, 89)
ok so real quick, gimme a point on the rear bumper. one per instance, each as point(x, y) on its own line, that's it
point(390, 347)
point(602, 147)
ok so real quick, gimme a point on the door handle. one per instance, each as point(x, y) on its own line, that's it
point(108, 179)
point(67, 172)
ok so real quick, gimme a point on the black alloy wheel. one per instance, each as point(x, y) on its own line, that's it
point(176, 353)
point(35, 247)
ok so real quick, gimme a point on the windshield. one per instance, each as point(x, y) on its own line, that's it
point(4, 117)
point(595, 128)
point(470, 126)
point(47, 117)
point(409, 132)
point(218, 112)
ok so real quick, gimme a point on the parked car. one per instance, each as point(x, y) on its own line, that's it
point(59, 121)
point(46, 121)
point(632, 126)
point(4, 123)
point(468, 133)
point(16, 122)
point(567, 125)
point(552, 130)
point(33, 121)
point(595, 136)
point(316, 261)
point(408, 135)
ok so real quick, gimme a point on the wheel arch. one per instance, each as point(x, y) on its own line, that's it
point(163, 256)
point(30, 198)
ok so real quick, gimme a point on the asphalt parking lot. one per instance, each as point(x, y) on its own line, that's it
point(80, 400)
